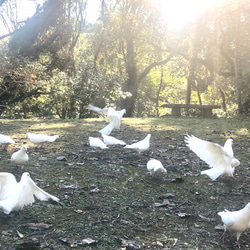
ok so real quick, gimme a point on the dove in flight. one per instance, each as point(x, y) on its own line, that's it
point(220, 159)
point(15, 195)
point(155, 166)
point(6, 140)
point(20, 156)
point(142, 145)
point(236, 221)
point(41, 138)
point(96, 142)
point(114, 118)
point(110, 140)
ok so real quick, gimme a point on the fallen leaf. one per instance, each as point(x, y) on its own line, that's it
point(219, 228)
point(39, 226)
point(182, 215)
point(166, 196)
point(95, 190)
point(129, 244)
point(42, 158)
point(164, 203)
point(20, 234)
point(205, 218)
point(61, 158)
point(87, 241)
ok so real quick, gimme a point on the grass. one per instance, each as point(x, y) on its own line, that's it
point(107, 195)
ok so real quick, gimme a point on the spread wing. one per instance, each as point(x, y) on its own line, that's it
point(28, 190)
point(212, 153)
point(7, 180)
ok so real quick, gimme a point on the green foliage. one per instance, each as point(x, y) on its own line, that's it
point(58, 69)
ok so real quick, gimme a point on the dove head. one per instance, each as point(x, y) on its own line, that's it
point(24, 148)
point(229, 141)
point(25, 176)
point(148, 136)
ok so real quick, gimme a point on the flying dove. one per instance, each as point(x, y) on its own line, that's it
point(6, 140)
point(140, 146)
point(96, 142)
point(237, 221)
point(114, 118)
point(155, 166)
point(15, 195)
point(220, 159)
point(110, 140)
point(20, 156)
point(41, 138)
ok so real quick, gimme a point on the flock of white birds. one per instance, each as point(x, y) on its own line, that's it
point(15, 195)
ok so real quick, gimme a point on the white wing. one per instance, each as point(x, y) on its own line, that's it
point(140, 145)
point(114, 118)
point(96, 142)
point(7, 181)
point(28, 189)
point(228, 147)
point(108, 129)
point(96, 109)
point(212, 153)
point(110, 140)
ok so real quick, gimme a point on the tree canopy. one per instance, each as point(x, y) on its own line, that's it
point(56, 62)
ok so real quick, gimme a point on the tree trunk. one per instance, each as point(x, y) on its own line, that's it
point(238, 73)
point(132, 82)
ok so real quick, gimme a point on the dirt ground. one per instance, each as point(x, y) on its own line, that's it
point(107, 198)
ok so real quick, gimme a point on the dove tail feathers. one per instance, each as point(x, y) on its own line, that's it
point(7, 206)
point(52, 138)
point(211, 173)
point(94, 108)
point(108, 129)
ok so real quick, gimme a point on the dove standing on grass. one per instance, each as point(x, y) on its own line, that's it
point(96, 142)
point(140, 146)
point(20, 156)
point(15, 195)
point(110, 140)
point(155, 166)
point(236, 221)
point(6, 140)
point(220, 159)
point(41, 138)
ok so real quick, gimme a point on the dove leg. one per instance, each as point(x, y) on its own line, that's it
point(223, 235)
point(237, 244)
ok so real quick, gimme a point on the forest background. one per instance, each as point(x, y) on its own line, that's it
point(55, 62)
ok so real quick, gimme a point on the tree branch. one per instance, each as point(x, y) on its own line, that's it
point(147, 70)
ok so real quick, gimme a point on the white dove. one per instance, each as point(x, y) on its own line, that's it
point(142, 145)
point(6, 140)
point(15, 195)
point(219, 159)
point(155, 166)
point(20, 156)
point(114, 118)
point(237, 221)
point(228, 147)
point(110, 140)
point(96, 142)
point(41, 138)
